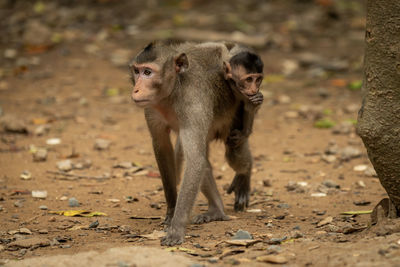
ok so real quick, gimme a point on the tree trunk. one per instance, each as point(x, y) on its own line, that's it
point(379, 116)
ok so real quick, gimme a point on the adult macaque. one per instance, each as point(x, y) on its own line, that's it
point(182, 88)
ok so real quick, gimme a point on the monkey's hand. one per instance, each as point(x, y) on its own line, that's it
point(241, 186)
point(235, 138)
point(256, 99)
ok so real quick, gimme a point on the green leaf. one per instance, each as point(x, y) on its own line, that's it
point(324, 123)
point(355, 85)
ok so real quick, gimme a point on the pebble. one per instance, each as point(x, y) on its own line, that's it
point(43, 231)
point(274, 249)
point(330, 184)
point(328, 158)
point(43, 207)
point(40, 155)
point(36, 33)
point(295, 186)
point(267, 183)
point(26, 175)
point(343, 128)
point(73, 202)
point(10, 53)
point(39, 194)
point(83, 164)
point(63, 198)
point(284, 99)
point(291, 114)
point(325, 221)
point(278, 259)
point(64, 165)
point(13, 124)
point(41, 130)
point(18, 204)
point(360, 168)
point(124, 165)
point(283, 206)
point(241, 234)
point(349, 153)
point(102, 144)
point(94, 224)
point(318, 194)
point(360, 184)
point(370, 171)
point(25, 231)
point(53, 141)
point(2, 248)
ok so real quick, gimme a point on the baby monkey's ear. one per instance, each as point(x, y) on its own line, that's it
point(227, 70)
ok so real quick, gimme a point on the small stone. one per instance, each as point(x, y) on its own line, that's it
point(25, 231)
point(2, 248)
point(41, 130)
point(10, 53)
point(43, 231)
point(63, 198)
point(360, 168)
point(267, 183)
point(325, 221)
point(330, 184)
point(26, 175)
point(94, 224)
point(18, 204)
point(43, 207)
point(73, 202)
point(102, 144)
point(64, 165)
point(318, 194)
point(241, 234)
point(370, 171)
point(362, 203)
point(53, 141)
point(40, 155)
point(296, 234)
point(83, 164)
point(39, 194)
point(352, 108)
point(52, 219)
point(328, 158)
point(124, 165)
point(274, 249)
point(349, 153)
point(344, 128)
point(155, 206)
point(360, 184)
point(124, 228)
point(13, 124)
point(277, 259)
point(65, 246)
point(322, 232)
point(283, 206)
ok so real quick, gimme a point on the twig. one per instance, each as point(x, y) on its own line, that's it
point(71, 176)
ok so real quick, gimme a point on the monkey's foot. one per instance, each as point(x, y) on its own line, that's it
point(173, 238)
point(241, 186)
point(383, 210)
point(209, 217)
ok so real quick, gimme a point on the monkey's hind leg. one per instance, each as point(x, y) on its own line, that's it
point(239, 158)
point(215, 205)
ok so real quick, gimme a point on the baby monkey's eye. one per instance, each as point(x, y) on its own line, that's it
point(259, 80)
point(147, 72)
point(136, 71)
point(249, 79)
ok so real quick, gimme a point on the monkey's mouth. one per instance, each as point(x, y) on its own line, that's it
point(141, 102)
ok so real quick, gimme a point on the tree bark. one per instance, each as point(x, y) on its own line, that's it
point(379, 116)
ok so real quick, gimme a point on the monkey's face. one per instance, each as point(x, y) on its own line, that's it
point(147, 83)
point(247, 83)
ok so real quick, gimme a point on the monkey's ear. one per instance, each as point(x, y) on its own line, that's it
point(227, 70)
point(229, 45)
point(181, 63)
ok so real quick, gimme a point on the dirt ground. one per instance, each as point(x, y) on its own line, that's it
point(309, 164)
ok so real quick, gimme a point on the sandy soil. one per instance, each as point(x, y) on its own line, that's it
point(82, 97)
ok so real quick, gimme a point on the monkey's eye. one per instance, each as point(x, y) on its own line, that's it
point(147, 72)
point(259, 80)
point(249, 79)
point(136, 71)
